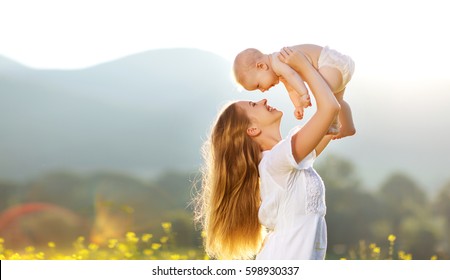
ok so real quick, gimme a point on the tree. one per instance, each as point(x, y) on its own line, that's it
point(338, 173)
point(63, 188)
point(442, 208)
point(407, 210)
point(10, 194)
point(350, 209)
point(401, 197)
point(442, 202)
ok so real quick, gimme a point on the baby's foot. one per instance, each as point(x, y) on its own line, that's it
point(344, 132)
point(305, 101)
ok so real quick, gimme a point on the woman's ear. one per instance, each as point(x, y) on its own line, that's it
point(253, 131)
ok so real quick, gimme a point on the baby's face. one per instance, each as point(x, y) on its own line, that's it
point(260, 79)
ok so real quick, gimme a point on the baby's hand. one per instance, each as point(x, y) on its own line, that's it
point(298, 113)
point(305, 101)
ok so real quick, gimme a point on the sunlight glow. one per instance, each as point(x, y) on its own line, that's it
point(382, 38)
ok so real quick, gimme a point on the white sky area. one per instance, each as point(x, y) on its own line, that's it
point(389, 38)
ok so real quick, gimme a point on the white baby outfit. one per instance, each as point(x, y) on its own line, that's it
point(292, 205)
point(344, 63)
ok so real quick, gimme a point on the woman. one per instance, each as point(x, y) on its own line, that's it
point(260, 193)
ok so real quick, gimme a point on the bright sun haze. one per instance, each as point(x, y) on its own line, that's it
point(382, 38)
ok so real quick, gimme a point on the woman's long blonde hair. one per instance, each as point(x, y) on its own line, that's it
point(228, 203)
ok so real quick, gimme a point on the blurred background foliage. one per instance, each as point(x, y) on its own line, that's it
point(102, 206)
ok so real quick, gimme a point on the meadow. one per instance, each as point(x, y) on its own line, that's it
point(147, 247)
point(104, 216)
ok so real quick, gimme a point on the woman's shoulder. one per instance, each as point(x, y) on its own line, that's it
point(282, 148)
point(287, 138)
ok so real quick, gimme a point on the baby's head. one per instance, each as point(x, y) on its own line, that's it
point(252, 70)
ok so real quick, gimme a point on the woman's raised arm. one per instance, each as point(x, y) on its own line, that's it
point(311, 134)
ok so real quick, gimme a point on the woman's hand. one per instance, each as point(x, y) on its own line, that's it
point(292, 57)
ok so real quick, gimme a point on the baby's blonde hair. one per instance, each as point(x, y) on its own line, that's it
point(244, 62)
point(228, 204)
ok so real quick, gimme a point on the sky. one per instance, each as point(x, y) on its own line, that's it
point(407, 40)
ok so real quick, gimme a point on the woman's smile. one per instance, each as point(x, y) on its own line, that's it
point(270, 108)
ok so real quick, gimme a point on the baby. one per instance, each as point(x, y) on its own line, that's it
point(256, 70)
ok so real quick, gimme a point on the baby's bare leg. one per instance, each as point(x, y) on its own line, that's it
point(345, 117)
point(333, 77)
point(343, 125)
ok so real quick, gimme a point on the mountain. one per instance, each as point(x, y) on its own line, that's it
point(141, 113)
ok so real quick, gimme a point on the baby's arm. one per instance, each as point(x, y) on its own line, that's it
point(298, 93)
point(296, 99)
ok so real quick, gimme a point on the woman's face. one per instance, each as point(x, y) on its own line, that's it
point(260, 113)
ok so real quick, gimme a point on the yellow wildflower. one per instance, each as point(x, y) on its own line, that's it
point(122, 247)
point(112, 243)
point(164, 239)
point(29, 249)
point(51, 244)
point(376, 250)
point(83, 253)
point(146, 237)
point(16, 256)
point(167, 227)
point(156, 246)
point(408, 257)
point(40, 256)
point(148, 252)
point(93, 247)
point(131, 237)
point(391, 238)
point(404, 256)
